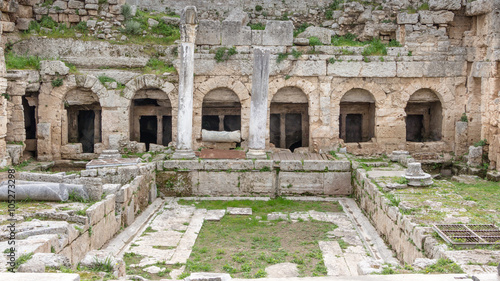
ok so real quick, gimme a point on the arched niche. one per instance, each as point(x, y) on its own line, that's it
point(83, 118)
point(424, 117)
point(289, 119)
point(357, 116)
point(151, 117)
point(221, 111)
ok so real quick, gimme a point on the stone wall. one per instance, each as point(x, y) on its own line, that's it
point(407, 239)
point(246, 177)
point(127, 193)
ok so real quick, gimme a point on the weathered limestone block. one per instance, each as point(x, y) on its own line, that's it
point(337, 183)
point(25, 11)
point(278, 33)
point(182, 165)
point(345, 69)
point(323, 34)
point(220, 136)
point(258, 182)
point(442, 17)
point(309, 68)
point(15, 152)
point(71, 149)
point(445, 4)
point(405, 18)
point(410, 69)
point(475, 157)
point(228, 165)
point(210, 183)
point(300, 183)
point(61, 4)
point(257, 37)
point(234, 29)
point(479, 7)
point(8, 26)
point(291, 165)
point(23, 23)
point(96, 212)
point(378, 69)
point(264, 164)
point(326, 165)
point(209, 32)
point(75, 4)
point(172, 20)
point(53, 68)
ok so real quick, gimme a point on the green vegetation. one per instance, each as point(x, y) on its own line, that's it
point(258, 8)
point(464, 118)
point(314, 41)
point(281, 57)
point(157, 66)
point(127, 11)
point(394, 43)
point(335, 5)
point(133, 28)
point(58, 82)
point(424, 6)
point(300, 29)
point(223, 54)
point(23, 259)
point(376, 48)
point(296, 54)
point(265, 207)
point(482, 142)
point(13, 61)
point(257, 26)
point(444, 266)
point(246, 245)
point(347, 40)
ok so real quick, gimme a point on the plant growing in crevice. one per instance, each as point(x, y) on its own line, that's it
point(224, 53)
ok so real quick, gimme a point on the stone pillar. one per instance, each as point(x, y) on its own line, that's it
point(258, 105)
point(186, 76)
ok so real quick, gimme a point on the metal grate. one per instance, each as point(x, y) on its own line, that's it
point(469, 234)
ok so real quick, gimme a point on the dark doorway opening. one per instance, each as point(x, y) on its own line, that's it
point(232, 122)
point(148, 129)
point(210, 122)
point(414, 127)
point(275, 129)
point(29, 119)
point(86, 120)
point(167, 130)
point(293, 129)
point(353, 127)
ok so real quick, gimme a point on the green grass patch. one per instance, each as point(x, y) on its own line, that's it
point(13, 61)
point(347, 40)
point(158, 66)
point(223, 54)
point(376, 48)
point(257, 26)
point(262, 208)
point(245, 246)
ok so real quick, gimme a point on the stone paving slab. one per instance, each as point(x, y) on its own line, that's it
point(222, 154)
point(39, 276)
point(394, 277)
point(334, 258)
point(215, 215)
point(100, 163)
point(183, 250)
point(239, 211)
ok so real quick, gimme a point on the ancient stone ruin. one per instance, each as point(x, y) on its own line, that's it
point(112, 109)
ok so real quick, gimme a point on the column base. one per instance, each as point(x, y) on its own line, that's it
point(183, 154)
point(256, 154)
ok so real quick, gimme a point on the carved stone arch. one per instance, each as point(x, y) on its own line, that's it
point(289, 122)
point(157, 103)
point(432, 130)
point(221, 82)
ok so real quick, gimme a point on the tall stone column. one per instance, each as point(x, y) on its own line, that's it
point(258, 104)
point(186, 76)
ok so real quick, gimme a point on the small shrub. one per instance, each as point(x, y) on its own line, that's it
point(58, 82)
point(48, 22)
point(464, 118)
point(296, 54)
point(394, 43)
point(82, 27)
point(223, 54)
point(258, 8)
point(482, 142)
point(300, 29)
point(410, 53)
point(281, 57)
point(133, 27)
point(376, 48)
point(257, 26)
point(103, 79)
point(424, 6)
point(314, 41)
point(127, 11)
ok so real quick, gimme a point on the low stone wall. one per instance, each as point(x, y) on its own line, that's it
point(260, 177)
point(407, 239)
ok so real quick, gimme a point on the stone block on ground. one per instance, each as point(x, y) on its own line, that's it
point(214, 215)
point(39, 191)
point(239, 211)
point(206, 276)
point(53, 67)
point(282, 270)
point(475, 157)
